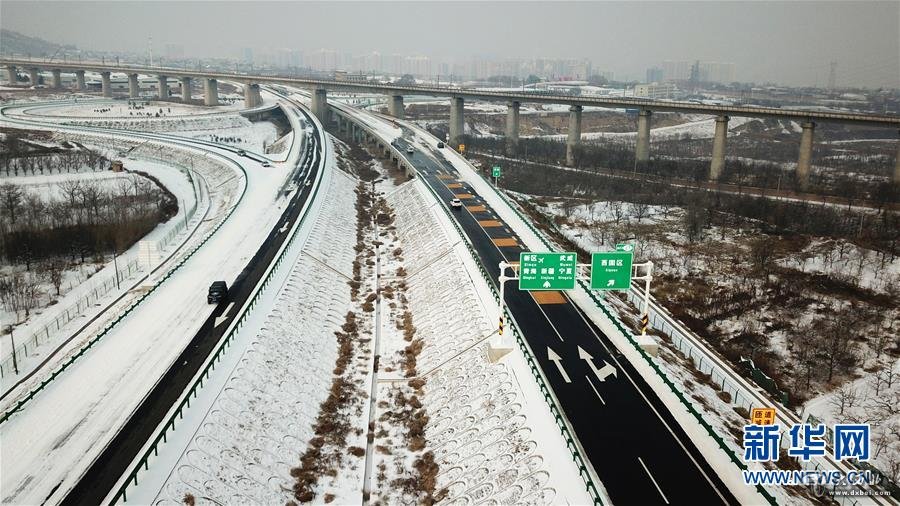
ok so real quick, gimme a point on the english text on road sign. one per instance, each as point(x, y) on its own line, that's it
point(495, 172)
point(611, 270)
point(547, 271)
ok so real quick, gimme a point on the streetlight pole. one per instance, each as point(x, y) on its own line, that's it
point(116, 267)
point(13, 342)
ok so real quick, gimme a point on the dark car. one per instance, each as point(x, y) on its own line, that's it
point(218, 290)
point(440, 145)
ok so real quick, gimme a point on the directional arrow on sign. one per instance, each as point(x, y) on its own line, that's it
point(220, 319)
point(546, 284)
point(601, 373)
point(611, 282)
point(556, 360)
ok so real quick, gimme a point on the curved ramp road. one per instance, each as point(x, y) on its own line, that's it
point(112, 463)
point(47, 446)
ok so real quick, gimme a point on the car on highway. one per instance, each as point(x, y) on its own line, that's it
point(410, 150)
point(241, 152)
point(456, 204)
point(440, 145)
point(218, 290)
point(266, 164)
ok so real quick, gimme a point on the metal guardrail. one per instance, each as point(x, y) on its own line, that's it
point(225, 343)
point(41, 336)
point(591, 487)
point(31, 394)
point(561, 424)
point(622, 328)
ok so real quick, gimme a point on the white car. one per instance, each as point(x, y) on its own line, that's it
point(456, 203)
point(410, 150)
point(266, 164)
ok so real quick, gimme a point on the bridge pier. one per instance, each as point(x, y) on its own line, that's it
point(34, 77)
point(457, 121)
point(106, 87)
point(185, 89)
point(134, 88)
point(252, 98)
point(320, 105)
point(163, 87)
point(79, 81)
point(718, 153)
point(11, 74)
point(57, 78)
point(395, 106)
point(804, 161)
point(642, 149)
point(897, 165)
point(211, 92)
point(574, 134)
point(512, 127)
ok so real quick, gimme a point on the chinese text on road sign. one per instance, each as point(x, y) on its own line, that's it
point(611, 270)
point(547, 271)
point(495, 172)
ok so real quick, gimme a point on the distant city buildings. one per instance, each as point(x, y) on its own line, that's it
point(654, 90)
point(707, 72)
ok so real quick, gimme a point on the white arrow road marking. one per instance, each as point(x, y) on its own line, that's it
point(653, 480)
point(591, 383)
point(220, 319)
point(601, 373)
point(556, 360)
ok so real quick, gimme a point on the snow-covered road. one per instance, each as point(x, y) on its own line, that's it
point(49, 444)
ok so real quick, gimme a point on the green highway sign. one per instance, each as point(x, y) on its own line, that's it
point(547, 271)
point(496, 171)
point(611, 270)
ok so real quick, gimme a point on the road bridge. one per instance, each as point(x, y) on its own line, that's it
point(808, 118)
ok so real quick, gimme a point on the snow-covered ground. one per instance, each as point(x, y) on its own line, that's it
point(704, 128)
point(79, 301)
point(254, 418)
point(489, 429)
point(119, 109)
point(49, 443)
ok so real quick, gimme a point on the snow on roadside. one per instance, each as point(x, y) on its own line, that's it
point(487, 427)
point(252, 434)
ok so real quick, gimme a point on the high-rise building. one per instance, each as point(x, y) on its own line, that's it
point(654, 75)
point(247, 55)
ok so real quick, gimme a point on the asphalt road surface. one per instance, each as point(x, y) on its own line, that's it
point(106, 470)
point(638, 450)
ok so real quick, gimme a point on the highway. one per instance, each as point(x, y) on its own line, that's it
point(96, 483)
point(637, 449)
point(883, 120)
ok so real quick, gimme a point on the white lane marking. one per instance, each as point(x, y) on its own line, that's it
point(594, 389)
point(653, 480)
point(224, 316)
point(556, 359)
point(652, 408)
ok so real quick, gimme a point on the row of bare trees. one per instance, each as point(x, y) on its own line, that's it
point(79, 218)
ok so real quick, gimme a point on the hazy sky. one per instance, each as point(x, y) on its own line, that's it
point(787, 42)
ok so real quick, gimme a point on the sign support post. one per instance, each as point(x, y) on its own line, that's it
point(645, 309)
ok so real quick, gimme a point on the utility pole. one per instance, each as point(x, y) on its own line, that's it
point(832, 75)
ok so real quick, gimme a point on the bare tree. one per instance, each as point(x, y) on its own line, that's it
point(843, 398)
